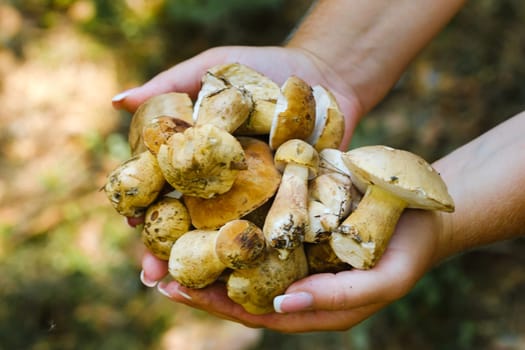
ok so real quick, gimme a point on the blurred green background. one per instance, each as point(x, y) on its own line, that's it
point(69, 265)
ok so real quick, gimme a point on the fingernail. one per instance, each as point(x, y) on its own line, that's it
point(292, 302)
point(162, 288)
point(147, 282)
point(121, 96)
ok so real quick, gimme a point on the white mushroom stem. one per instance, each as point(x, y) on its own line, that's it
point(363, 237)
point(287, 219)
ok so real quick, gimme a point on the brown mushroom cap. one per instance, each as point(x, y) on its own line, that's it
point(173, 104)
point(251, 189)
point(159, 130)
point(203, 161)
point(240, 244)
point(404, 174)
point(294, 114)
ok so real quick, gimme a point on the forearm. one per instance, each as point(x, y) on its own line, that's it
point(486, 178)
point(370, 43)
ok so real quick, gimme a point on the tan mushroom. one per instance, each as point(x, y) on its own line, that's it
point(255, 288)
point(252, 188)
point(202, 161)
point(134, 185)
point(165, 221)
point(199, 257)
point(391, 181)
point(226, 108)
point(174, 104)
point(294, 116)
point(287, 219)
point(263, 91)
point(330, 200)
point(329, 120)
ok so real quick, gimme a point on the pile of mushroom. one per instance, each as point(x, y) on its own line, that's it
point(246, 186)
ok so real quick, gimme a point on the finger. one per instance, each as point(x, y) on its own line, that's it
point(183, 77)
point(404, 262)
point(153, 269)
point(215, 301)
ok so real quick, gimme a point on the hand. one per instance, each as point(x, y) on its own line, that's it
point(277, 63)
point(326, 301)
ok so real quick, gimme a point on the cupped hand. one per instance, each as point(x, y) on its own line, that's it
point(326, 301)
point(278, 63)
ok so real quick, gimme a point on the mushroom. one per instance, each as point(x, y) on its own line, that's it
point(329, 120)
point(391, 181)
point(165, 221)
point(252, 188)
point(287, 219)
point(199, 257)
point(174, 104)
point(226, 108)
point(159, 130)
point(255, 288)
point(294, 116)
point(263, 91)
point(134, 185)
point(321, 258)
point(202, 161)
point(330, 199)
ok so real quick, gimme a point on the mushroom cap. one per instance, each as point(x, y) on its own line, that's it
point(240, 244)
point(165, 221)
point(172, 104)
point(329, 120)
point(134, 185)
point(159, 130)
point(226, 108)
point(252, 187)
point(297, 152)
point(203, 161)
point(400, 172)
point(294, 113)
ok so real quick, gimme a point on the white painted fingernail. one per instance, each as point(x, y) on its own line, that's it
point(147, 282)
point(294, 302)
point(121, 96)
point(161, 287)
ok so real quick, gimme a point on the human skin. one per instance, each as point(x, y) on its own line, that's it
point(377, 41)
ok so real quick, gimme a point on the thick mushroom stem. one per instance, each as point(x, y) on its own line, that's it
point(287, 219)
point(362, 237)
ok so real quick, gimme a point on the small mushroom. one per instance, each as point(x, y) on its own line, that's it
point(252, 188)
point(134, 185)
point(202, 161)
point(199, 257)
point(255, 288)
point(159, 130)
point(165, 221)
point(263, 91)
point(226, 108)
point(329, 120)
point(287, 219)
point(391, 181)
point(329, 202)
point(294, 116)
point(174, 104)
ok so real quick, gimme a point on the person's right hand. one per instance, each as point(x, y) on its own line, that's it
point(278, 63)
